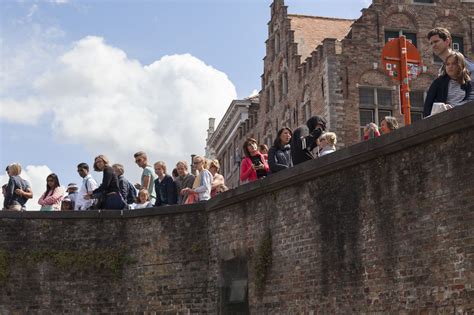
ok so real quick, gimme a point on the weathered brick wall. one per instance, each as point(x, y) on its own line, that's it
point(166, 269)
point(381, 227)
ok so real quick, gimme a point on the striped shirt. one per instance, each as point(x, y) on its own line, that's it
point(456, 94)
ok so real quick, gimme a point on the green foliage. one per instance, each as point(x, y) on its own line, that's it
point(4, 265)
point(195, 248)
point(263, 262)
point(104, 261)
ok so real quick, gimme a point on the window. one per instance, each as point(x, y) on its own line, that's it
point(411, 37)
point(233, 288)
point(375, 104)
point(272, 95)
point(417, 100)
point(277, 44)
point(283, 84)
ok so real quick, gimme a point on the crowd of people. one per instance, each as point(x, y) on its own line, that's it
point(115, 192)
point(453, 87)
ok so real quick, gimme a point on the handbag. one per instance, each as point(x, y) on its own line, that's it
point(192, 198)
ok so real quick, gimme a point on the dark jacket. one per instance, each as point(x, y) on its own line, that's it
point(11, 197)
point(438, 92)
point(181, 183)
point(109, 183)
point(279, 157)
point(165, 191)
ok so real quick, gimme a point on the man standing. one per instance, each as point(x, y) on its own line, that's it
point(88, 185)
point(148, 175)
point(304, 139)
point(184, 180)
point(441, 43)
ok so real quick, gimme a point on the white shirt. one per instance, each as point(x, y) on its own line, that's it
point(88, 185)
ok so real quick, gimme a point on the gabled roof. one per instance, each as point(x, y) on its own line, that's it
point(310, 31)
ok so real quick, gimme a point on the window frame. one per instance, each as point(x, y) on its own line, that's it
point(375, 108)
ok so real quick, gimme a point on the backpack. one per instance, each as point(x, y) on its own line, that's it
point(131, 193)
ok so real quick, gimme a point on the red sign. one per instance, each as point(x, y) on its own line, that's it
point(402, 62)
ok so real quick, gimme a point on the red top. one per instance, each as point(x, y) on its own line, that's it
point(247, 173)
point(376, 133)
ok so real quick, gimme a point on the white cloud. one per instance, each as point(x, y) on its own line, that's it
point(113, 105)
point(32, 11)
point(254, 93)
point(59, 2)
point(36, 176)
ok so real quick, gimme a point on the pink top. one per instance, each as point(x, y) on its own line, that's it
point(247, 173)
point(53, 199)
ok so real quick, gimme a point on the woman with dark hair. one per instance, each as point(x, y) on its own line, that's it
point(108, 192)
point(453, 88)
point(279, 156)
point(54, 194)
point(253, 166)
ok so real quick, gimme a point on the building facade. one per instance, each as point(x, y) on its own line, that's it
point(332, 67)
point(225, 143)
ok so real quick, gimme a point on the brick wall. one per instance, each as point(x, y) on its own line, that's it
point(384, 226)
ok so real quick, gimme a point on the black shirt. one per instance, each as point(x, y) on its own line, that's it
point(257, 161)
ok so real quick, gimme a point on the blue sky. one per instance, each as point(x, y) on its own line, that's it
point(82, 78)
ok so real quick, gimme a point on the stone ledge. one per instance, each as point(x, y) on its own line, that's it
point(422, 131)
point(440, 125)
point(103, 214)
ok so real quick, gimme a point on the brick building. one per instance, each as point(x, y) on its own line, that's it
point(331, 67)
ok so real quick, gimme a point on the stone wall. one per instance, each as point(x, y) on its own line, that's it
point(384, 226)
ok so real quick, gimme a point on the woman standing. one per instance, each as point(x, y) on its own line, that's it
point(279, 156)
point(165, 187)
point(54, 194)
point(108, 191)
point(202, 182)
point(454, 88)
point(218, 182)
point(253, 166)
point(18, 190)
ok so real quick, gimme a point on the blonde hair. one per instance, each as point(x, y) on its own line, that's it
point(204, 161)
point(330, 137)
point(215, 163)
point(14, 169)
point(161, 164)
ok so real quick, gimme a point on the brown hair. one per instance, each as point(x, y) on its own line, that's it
point(161, 164)
point(246, 144)
point(463, 76)
point(139, 154)
point(442, 32)
point(103, 158)
point(119, 168)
